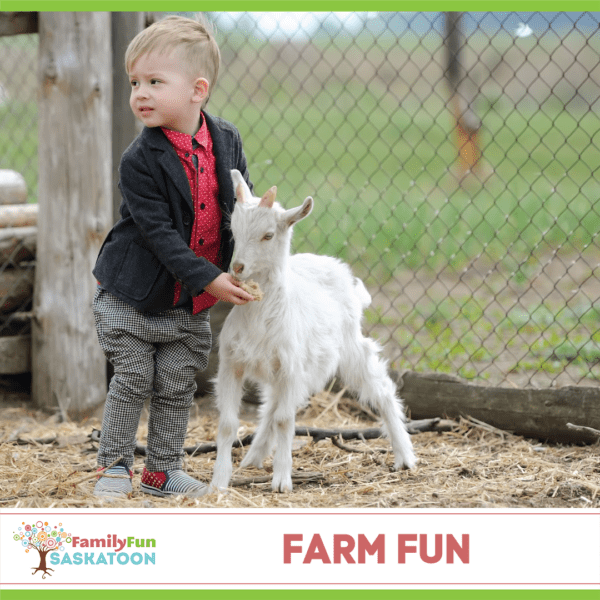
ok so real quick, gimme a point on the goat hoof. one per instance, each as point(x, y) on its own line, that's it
point(405, 464)
point(282, 486)
point(214, 488)
point(250, 461)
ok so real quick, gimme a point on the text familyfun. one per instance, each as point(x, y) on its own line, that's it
point(101, 558)
point(112, 541)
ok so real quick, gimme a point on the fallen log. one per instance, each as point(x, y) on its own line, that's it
point(536, 413)
point(18, 215)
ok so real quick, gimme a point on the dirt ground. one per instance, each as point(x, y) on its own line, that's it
point(45, 463)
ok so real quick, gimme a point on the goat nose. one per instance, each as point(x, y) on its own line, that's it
point(237, 268)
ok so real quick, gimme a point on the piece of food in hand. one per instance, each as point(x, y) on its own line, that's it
point(252, 288)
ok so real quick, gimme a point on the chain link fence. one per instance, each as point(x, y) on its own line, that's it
point(455, 169)
point(18, 165)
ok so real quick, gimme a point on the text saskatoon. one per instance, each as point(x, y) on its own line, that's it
point(344, 548)
point(116, 556)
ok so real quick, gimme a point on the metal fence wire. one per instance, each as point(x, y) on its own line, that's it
point(18, 161)
point(453, 158)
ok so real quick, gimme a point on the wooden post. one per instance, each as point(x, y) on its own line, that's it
point(75, 207)
point(125, 26)
point(463, 94)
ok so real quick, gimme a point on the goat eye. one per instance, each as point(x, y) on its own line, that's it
point(267, 236)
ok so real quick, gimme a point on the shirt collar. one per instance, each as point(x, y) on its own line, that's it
point(183, 141)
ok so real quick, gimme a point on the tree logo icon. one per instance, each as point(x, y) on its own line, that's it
point(44, 538)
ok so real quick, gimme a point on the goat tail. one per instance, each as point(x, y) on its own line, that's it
point(362, 293)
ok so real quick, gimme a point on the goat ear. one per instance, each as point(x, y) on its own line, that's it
point(242, 191)
point(294, 215)
point(267, 200)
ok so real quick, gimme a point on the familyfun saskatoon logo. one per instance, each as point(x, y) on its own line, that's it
point(51, 542)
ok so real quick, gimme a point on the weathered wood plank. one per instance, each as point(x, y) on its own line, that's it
point(14, 23)
point(18, 215)
point(13, 189)
point(541, 414)
point(125, 26)
point(15, 355)
point(75, 198)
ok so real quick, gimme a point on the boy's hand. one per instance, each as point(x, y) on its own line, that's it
point(226, 288)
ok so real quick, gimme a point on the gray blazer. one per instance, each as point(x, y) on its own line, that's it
point(148, 249)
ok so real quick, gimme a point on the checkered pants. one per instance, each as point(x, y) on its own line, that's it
point(154, 355)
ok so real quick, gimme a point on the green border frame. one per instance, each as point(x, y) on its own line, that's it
point(295, 594)
point(307, 5)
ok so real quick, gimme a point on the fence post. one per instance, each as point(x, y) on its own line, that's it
point(463, 94)
point(75, 207)
point(125, 26)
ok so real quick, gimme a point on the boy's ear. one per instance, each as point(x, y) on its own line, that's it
point(201, 87)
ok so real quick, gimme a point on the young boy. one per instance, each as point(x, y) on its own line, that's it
point(165, 261)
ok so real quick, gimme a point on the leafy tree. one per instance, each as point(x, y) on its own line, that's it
point(43, 538)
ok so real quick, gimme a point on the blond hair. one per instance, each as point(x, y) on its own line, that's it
point(194, 38)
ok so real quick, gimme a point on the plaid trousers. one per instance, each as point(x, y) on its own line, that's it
point(154, 355)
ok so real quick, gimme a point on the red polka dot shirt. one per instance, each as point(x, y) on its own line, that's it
point(196, 156)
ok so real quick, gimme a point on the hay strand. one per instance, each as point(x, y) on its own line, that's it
point(462, 464)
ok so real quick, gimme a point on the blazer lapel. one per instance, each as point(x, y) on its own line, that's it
point(223, 163)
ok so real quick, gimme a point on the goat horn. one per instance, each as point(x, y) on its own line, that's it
point(269, 197)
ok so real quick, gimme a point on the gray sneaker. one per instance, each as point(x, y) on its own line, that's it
point(172, 483)
point(114, 482)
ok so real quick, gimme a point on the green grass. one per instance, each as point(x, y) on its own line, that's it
point(458, 335)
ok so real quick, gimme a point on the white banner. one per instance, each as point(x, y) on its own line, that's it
point(332, 548)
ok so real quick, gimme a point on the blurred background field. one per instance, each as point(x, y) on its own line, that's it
point(491, 274)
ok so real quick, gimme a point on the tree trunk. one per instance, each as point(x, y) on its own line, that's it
point(74, 207)
point(42, 566)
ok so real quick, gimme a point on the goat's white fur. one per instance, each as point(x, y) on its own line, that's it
point(306, 329)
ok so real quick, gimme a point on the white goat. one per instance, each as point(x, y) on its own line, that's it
point(305, 330)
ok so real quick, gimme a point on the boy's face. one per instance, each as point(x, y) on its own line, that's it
point(164, 94)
